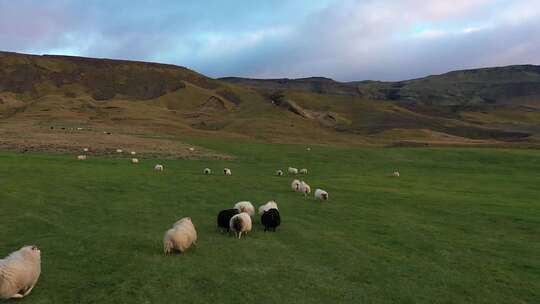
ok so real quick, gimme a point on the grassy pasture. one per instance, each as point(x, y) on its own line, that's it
point(458, 226)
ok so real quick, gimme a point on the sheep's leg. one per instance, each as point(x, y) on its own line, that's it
point(28, 291)
point(239, 234)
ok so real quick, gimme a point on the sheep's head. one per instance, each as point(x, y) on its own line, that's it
point(32, 250)
point(324, 196)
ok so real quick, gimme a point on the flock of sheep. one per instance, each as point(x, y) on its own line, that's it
point(19, 271)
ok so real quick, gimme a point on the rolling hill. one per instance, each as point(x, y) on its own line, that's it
point(62, 103)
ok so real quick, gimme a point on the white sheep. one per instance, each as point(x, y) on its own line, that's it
point(305, 188)
point(321, 195)
point(396, 173)
point(134, 160)
point(227, 171)
point(303, 171)
point(245, 206)
point(158, 167)
point(268, 206)
point(180, 237)
point(133, 153)
point(207, 171)
point(308, 149)
point(191, 149)
point(81, 157)
point(295, 185)
point(119, 151)
point(85, 150)
point(240, 223)
point(19, 272)
point(279, 173)
point(293, 170)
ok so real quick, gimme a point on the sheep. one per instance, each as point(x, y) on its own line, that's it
point(180, 237)
point(85, 150)
point(224, 218)
point(227, 171)
point(158, 167)
point(240, 223)
point(295, 185)
point(267, 206)
point(79, 129)
point(119, 151)
point(191, 149)
point(305, 188)
point(133, 153)
point(271, 219)
point(321, 195)
point(207, 171)
point(308, 149)
point(395, 174)
point(134, 160)
point(81, 157)
point(303, 171)
point(246, 207)
point(293, 170)
point(279, 173)
point(19, 272)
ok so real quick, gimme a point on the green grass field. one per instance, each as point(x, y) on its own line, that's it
point(458, 226)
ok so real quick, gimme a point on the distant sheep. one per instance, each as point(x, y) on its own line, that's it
point(267, 206)
point(295, 185)
point(133, 153)
point(158, 167)
point(119, 151)
point(19, 272)
point(245, 206)
point(271, 219)
point(191, 149)
point(180, 237)
point(321, 195)
point(293, 170)
point(227, 171)
point(303, 171)
point(134, 160)
point(224, 218)
point(207, 171)
point(240, 223)
point(308, 149)
point(279, 173)
point(81, 157)
point(305, 188)
point(85, 150)
point(395, 174)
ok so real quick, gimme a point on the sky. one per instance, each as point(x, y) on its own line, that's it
point(342, 39)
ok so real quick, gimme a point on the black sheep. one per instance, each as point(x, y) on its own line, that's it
point(271, 219)
point(224, 217)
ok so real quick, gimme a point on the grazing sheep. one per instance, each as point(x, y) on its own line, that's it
point(293, 170)
point(240, 223)
point(246, 207)
point(119, 151)
point(85, 150)
point(396, 173)
point(321, 195)
point(180, 237)
point(295, 185)
point(227, 171)
point(133, 153)
point(279, 173)
point(191, 149)
point(308, 149)
point(207, 171)
point(267, 206)
point(158, 167)
point(271, 219)
point(305, 188)
point(19, 272)
point(224, 218)
point(81, 157)
point(134, 160)
point(303, 171)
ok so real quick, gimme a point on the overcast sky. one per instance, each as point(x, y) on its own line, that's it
point(344, 40)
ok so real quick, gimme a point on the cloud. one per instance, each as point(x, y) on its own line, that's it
point(346, 40)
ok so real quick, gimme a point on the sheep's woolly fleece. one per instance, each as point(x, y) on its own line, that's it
point(19, 272)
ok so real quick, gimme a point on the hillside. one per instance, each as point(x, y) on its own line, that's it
point(62, 103)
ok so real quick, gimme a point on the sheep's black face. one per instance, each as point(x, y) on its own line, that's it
point(325, 196)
